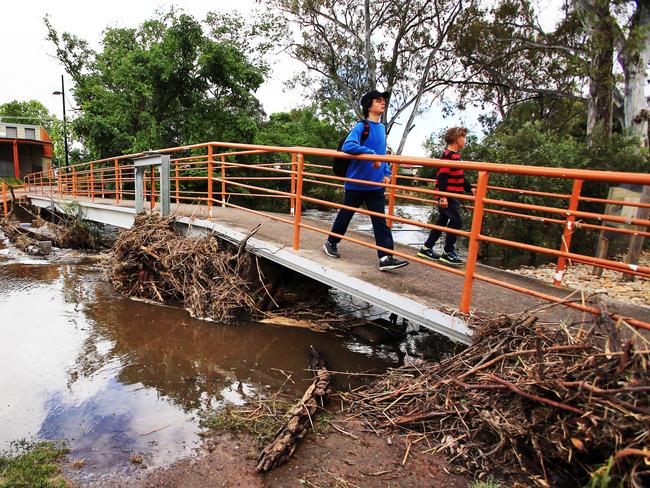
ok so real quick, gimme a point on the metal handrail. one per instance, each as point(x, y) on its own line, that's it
point(212, 167)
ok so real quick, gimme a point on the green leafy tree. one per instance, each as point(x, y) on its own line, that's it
point(165, 83)
point(30, 112)
point(509, 58)
point(298, 127)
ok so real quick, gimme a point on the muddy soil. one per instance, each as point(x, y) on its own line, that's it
point(326, 459)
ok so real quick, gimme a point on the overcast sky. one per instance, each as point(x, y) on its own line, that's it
point(30, 70)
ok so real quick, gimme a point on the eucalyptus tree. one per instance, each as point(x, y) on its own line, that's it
point(620, 27)
point(165, 83)
point(510, 58)
point(349, 47)
point(632, 41)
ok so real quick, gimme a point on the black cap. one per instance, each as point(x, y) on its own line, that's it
point(366, 100)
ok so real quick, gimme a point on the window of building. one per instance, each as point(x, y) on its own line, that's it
point(12, 132)
point(30, 133)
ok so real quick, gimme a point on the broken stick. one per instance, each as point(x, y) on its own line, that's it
point(281, 448)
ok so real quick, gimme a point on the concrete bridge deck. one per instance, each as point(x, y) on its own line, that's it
point(417, 292)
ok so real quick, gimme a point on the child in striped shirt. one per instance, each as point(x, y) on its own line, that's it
point(450, 180)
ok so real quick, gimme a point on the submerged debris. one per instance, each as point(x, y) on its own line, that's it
point(18, 236)
point(541, 405)
point(70, 231)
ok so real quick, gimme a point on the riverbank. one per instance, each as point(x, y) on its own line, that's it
point(37, 464)
point(341, 453)
point(125, 382)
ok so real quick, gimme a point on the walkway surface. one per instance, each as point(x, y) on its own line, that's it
point(428, 286)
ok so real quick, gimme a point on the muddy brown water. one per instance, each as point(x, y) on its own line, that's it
point(116, 377)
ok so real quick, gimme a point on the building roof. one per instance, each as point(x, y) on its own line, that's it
point(16, 124)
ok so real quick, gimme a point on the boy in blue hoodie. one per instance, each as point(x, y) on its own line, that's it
point(373, 104)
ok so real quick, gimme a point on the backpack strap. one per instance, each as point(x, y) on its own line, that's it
point(366, 131)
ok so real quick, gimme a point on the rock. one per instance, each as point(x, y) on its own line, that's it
point(45, 247)
point(34, 251)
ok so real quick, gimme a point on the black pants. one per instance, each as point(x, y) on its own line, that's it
point(375, 202)
point(449, 217)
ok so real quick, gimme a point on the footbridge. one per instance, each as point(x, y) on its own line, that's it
point(230, 188)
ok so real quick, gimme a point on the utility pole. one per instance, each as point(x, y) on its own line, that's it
point(65, 129)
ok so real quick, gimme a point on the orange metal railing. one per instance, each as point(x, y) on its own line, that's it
point(245, 174)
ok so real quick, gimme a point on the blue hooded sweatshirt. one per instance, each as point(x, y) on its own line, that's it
point(374, 144)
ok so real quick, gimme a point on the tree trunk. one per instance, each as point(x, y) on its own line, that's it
point(634, 58)
point(600, 25)
point(416, 103)
point(370, 55)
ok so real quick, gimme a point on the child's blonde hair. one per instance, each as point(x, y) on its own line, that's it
point(454, 133)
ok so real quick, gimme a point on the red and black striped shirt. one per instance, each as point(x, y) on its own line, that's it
point(452, 180)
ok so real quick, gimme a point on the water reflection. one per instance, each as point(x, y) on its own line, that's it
point(117, 377)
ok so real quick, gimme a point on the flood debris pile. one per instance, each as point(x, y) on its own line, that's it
point(67, 230)
point(153, 261)
point(72, 231)
point(536, 404)
point(213, 279)
point(18, 236)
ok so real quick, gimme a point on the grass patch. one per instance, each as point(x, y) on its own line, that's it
point(261, 419)
point(32, 465)
point(262, 427)
point(486, 484)
point(603, 478)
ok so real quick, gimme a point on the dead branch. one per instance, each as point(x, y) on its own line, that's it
point(547, 404)
point(300, 418)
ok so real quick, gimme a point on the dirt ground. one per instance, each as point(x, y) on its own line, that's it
point(579, 277)
point(328, 459)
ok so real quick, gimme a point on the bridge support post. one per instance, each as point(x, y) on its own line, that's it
point(165, 206)
point(139, 190)
point(140, 164)
point(472, 251)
